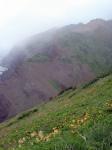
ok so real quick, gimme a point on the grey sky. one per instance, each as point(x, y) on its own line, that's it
point(20, 19)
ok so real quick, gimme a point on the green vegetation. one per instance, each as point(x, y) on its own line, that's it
point(92, 49)
point(55, 84)
point(79, 119)
point(40, 57)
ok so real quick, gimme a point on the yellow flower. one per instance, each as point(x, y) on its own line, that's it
point(40, 135)
point(55, 130)
point(81, 120)
point(71, 125)
point(34, 134)
point(21, 141)
point(47, 138)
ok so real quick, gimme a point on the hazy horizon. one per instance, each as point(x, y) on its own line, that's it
point(20, 19)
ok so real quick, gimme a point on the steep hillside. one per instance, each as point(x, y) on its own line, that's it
point(53, 61)
point(78, 119)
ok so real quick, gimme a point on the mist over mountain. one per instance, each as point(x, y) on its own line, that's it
point(20, 19)
point(52, 61)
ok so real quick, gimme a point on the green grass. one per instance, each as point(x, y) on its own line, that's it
point(79, 119)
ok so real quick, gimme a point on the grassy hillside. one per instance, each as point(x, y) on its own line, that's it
point(78, 119)
point(92, 48)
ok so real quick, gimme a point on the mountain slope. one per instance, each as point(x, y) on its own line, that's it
point(53, 61)
point(78, 119)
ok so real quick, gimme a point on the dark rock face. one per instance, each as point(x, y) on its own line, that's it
point(4, 108)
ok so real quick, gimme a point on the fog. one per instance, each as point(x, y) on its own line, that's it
point(20, 19)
